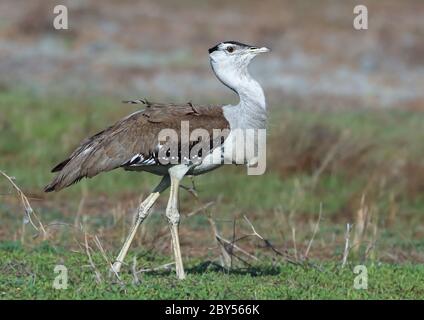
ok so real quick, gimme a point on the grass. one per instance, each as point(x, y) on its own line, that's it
point(346, 161)
point(30, 275)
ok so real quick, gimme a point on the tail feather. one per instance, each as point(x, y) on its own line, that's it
point(49, 187)
point(60, 166)
point(72, 170)
point(84, 163)
point(67, 176)
point(56, 186)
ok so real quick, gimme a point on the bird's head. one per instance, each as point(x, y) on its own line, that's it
point(229, 60)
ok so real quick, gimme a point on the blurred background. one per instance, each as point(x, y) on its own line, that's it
point(152, 48)
point(346, 125)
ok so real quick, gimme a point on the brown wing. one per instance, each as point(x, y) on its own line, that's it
point(133, 136)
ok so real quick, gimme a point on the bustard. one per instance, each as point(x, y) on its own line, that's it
point(133, 142)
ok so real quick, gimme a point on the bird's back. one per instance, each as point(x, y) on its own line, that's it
point(133, 142)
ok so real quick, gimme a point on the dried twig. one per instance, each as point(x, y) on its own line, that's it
point(166, 266)
point(347, 244)
point(269, 244)
point(87, 250)
point(27, 206)
point(231, 248)
point(192, 190)
point(314, 233)
point(79, 211)
point(360, 225)
point(294, 243)
point(136, 280)
point(253, 229)
point(225, 257)
point(103, 252)
point(230, 244)
point(371, 246)
point(203, 208)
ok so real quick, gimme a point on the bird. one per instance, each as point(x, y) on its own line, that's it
point(138, 143)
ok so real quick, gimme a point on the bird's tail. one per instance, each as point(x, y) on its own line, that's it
point(68, 173)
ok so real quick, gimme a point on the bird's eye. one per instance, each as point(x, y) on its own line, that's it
point(230, 49)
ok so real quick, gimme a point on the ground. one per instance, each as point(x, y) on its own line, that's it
point(28, 274)
point(326, 169)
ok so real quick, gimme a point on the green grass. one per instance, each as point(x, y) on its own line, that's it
point(30, 275)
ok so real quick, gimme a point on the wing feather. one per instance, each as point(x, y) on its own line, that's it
point(133, 136)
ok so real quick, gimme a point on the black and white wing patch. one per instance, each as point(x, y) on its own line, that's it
point(140, 160)
point(197, 151)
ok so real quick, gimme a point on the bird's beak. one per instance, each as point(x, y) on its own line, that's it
point(259, 50)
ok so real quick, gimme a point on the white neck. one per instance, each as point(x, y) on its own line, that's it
point(239, 80)
point(250, 93)
point(251, 110)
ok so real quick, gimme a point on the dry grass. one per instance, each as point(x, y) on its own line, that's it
point(325, 169)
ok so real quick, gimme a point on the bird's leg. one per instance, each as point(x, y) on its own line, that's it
point(142, 213)
point(176, 173)
point(174, 220)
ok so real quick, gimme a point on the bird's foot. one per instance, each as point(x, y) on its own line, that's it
point(116, 267)
point(181, 274)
